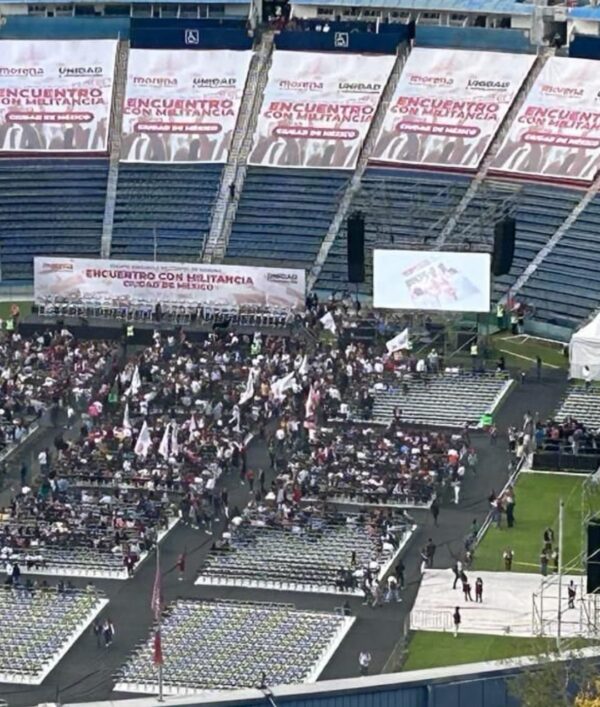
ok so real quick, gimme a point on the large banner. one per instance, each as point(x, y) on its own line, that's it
point(448, 105)
point(317, 109)
point(434, 280)
point(56, 96)
point(557, 131)
point(128, 282)
point(182, 106)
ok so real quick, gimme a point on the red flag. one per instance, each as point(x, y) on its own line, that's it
point(157, 657)
point(156, 602)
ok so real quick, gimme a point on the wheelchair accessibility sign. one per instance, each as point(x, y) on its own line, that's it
point(192, 36)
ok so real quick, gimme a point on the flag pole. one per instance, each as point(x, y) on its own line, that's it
point(158, 628)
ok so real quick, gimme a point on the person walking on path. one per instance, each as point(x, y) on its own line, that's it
point(457, 569)
point(479, 590)
point(108, 631)
point(435, 510)
point(400, 573)
point(507, 556)
point(364, 660)
point(181, 565)
point(97, 631)
point(457, 620)
point(430, 551)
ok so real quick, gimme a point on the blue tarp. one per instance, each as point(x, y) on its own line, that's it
point(503, 7)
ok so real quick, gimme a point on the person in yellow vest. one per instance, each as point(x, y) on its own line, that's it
point(130, 331)
point(10, 325)
point(474, 352)
point(500, 316)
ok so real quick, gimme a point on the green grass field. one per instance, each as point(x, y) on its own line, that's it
point(537, 499)
point(5, 308)
point(522, 351)
point(429, 649)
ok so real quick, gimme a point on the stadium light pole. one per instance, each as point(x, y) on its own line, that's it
point(561, 513)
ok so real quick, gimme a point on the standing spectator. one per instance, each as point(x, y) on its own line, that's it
point(555, 559)
point(424, 559)
point(538, 368)
point(43, 462)
point(364, 660)
point(24, 472)
point(479, 590)
point(97, 631)
point(430, 551)
point(466, 586)
point(392, 589)
point(456, 488)
point(457, 620)
point(15, 574)
point(544, 563)
point(435, 510)
point(400, 573)
point(509, 502)
point(181, 565)
point(493, 433)
point(507, 556)
point(548, 539)
point(587, 377)
point(108, 631)
point(457, 569)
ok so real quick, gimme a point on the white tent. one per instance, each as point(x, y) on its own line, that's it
point(584, 350)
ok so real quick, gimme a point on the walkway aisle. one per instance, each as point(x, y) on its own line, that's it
point(86, 672)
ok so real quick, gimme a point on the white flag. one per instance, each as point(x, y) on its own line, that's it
point(248, 393)
point(163, 447)
point(312, 401)
point(303, 367)
point(136, 382)
point(399, 342)
point(126, 420)
point(144, 442)
point(174, 441)
point(192, 427)
point(328, 322)
point(279, 386)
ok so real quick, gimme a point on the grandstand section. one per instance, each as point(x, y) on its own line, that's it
point(49, 206)
point(163, 211)
point(283, 215)
point(402, 209)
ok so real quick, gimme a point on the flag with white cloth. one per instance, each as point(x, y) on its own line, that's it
point(126, 420)
point(399, 342)
point(248, 393)
point(174, 440)
point(144, 441)
point(163, 447)
point(328, 322)
point(136, 382)
point(303, 367)
point(279, 386)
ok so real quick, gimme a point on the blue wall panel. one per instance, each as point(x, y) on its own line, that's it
point(505, 40)
point(584, 46)
point(24, 27)
point(357, 41)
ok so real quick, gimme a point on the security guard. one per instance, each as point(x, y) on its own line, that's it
point(500, 316)
point(474, 354)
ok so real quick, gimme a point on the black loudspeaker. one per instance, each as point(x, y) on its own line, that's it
point(356, 247)
point(504, 246)
point(593, 555)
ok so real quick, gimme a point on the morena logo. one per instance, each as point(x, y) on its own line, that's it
point(154, 81)
point(301, 85)
point(425, 80)
point(21, 71)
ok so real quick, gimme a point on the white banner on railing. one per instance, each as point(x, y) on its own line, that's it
point(56, 96)
point(317, 109)
point(448, 106)
point(182, 106)
point(130, 282)
point(557, 131)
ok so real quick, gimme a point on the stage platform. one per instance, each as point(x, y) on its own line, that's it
point(113, 329)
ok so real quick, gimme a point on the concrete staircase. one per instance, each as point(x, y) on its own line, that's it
point(234, 171)
point(355, 181)
point(449, 227)
point(115, 147)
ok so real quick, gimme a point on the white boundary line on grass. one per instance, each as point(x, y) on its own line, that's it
point(527, 358)
point(575, 474)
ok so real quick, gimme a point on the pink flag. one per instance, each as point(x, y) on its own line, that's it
point(156, 602)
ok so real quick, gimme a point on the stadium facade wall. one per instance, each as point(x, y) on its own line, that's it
point(188, 34)
point(25, 27)
point(356, 42)
point(505, 40)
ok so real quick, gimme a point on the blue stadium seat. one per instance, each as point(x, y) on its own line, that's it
point(565, 288)
point(402, 208)
point(538, 210)
point(174, 201)
point(49, 207)
point(284, 214)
